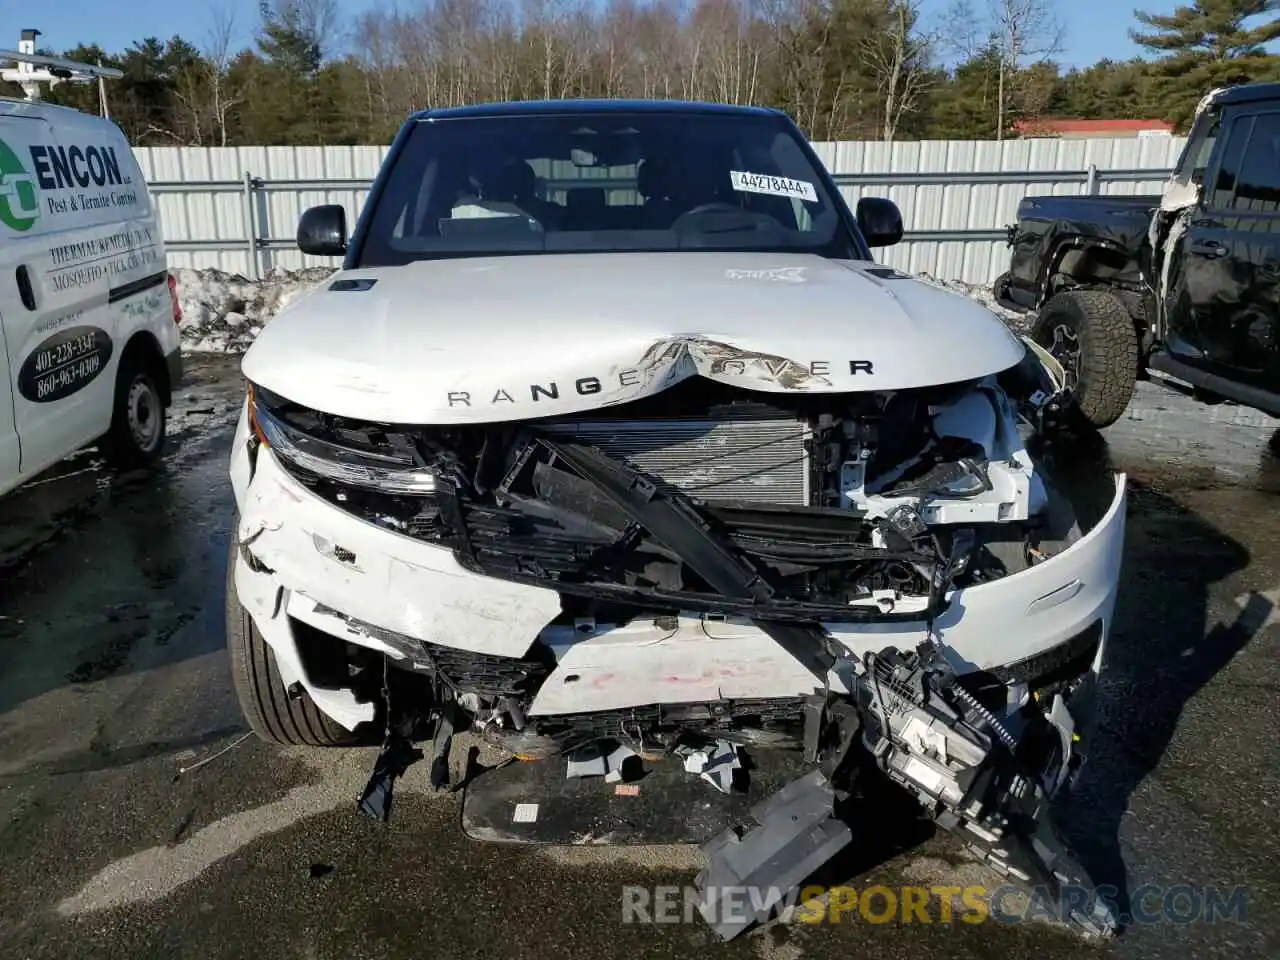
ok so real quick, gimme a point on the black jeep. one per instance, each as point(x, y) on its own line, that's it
point(1185, 285)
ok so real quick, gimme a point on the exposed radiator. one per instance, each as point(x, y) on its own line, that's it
point(756, 455)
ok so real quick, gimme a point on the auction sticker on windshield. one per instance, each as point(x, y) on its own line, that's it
point(745, 182)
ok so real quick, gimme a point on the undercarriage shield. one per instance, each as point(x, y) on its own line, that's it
point(797, 834)
point(671, 805)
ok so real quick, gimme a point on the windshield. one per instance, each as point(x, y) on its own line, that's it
point(1199, 149)
point(602, 182)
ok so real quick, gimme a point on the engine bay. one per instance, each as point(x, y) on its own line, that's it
point(682, 514)
point(707, 498)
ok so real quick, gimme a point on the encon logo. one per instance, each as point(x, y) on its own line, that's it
point(19, 202)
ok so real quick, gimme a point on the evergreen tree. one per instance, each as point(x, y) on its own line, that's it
point(965, 108)
point(1211, 29)
point(1109, 90)
point(1212, 43)
point(287, 41)
point(285, 108)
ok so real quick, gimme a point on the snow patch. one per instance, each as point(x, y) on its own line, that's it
point(224, 312)
point(1019, 323)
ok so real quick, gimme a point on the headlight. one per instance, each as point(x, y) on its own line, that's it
point(386, 472)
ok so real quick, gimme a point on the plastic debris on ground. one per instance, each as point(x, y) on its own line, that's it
point(715, 763)
point(397, 755)
point(797, 834)
point(616, 762)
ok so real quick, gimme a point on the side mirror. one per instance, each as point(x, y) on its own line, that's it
point(880, 221)
point(322, 231)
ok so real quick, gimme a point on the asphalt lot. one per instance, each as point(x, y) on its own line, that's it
point(113, 683)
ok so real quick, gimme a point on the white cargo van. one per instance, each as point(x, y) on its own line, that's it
point(88, 310)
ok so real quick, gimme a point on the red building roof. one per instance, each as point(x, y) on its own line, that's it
point(1052, 125)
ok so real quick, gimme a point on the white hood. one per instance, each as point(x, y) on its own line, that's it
point(512, 338)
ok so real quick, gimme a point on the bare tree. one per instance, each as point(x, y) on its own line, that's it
point(218, 53)
point(613, 46)
point(204, 88)
point(371, 49)
point(500, 51)
point(318, 19)
point(899, 59)
point(547, 33)
point(1025, 30)
point(728, 48)
point(659, 48)
point(578, 31)
point(803, 60)
point(1021, 33)
point(796, 52)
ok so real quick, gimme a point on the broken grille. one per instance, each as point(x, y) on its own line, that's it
point(756, 455)
point(719, 718)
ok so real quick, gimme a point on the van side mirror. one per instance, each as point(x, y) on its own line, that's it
point(880, 221)
point(322, 231)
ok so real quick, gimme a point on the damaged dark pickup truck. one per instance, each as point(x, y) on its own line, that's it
point(612, 436)
point(1185, 285)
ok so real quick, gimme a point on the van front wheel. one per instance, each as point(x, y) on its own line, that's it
point(137, 433)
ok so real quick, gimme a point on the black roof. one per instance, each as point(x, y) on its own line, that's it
point(1249, 92)
point(529, 108)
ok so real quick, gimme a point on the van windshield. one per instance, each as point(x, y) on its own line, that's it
point(603, 182)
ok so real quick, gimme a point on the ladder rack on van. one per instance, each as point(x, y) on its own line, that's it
point(30, 70)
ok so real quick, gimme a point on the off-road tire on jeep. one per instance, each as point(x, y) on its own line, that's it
point(1000, 289)
point(1106, 350)
point(272, 714)
point(137, 434)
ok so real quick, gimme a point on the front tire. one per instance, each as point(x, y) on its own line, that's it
point(138, 422)
point(1000, 289)
point(267, 706)
point(1092, 335)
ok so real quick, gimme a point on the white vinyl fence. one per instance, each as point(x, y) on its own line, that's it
point(237, 208)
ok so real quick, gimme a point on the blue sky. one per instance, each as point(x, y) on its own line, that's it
point(1094, 28)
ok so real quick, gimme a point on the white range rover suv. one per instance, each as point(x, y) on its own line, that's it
point(611, 427)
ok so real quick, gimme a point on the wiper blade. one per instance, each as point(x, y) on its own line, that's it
point(739, 228)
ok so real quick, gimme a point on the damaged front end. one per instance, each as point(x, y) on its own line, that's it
point(1173, 216)
point(870, 580)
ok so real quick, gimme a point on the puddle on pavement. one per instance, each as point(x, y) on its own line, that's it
point(83, 485)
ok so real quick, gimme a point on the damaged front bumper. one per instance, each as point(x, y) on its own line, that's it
point(972, 697)
point(304, 562)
